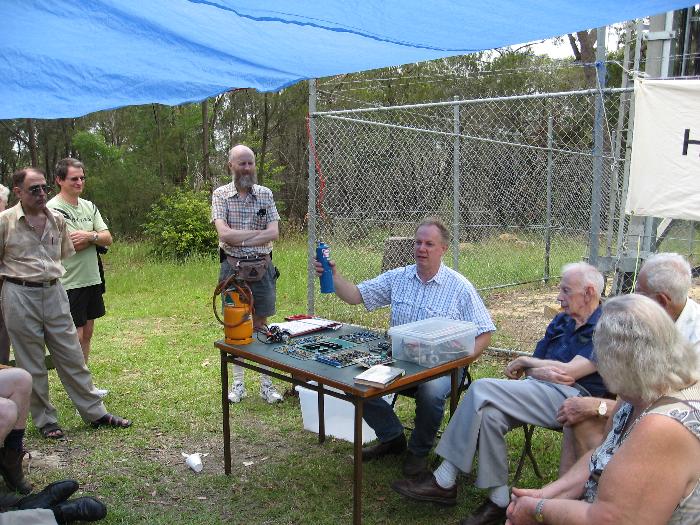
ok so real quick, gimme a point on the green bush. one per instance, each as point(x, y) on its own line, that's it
point(179, 225)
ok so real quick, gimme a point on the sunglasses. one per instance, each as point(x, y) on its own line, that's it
point(38, 188)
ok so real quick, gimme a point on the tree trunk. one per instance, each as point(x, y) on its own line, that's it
point(32, 141)
point(263, 146)
point(584, 52)
point(205, 141)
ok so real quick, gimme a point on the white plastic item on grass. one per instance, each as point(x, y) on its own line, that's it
point(194, 461)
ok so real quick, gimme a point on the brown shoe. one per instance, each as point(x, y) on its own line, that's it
point(425, 488)
point(11, 470)
point(391, 448)
point(414, 466)
point(488, 513)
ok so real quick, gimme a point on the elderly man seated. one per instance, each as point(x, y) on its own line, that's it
point(562, 367)
point(665, 278)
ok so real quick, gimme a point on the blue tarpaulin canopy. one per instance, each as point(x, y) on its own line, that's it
point(63, 58)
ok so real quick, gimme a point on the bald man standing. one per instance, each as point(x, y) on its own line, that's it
point(246, 221)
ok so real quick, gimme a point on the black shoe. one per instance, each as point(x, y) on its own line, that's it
point(425, 488)
point(11, 470)
point(488, 513)
point(81, 509)
point(414, 466)
point(391, 448)
point(51, 495)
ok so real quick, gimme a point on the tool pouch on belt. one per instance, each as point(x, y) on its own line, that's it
point(251, 270)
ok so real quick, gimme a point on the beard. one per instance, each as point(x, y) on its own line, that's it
point(245, 182)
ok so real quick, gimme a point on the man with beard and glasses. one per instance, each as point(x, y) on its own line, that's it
point(246, 221)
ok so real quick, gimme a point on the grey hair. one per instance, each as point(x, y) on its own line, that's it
point(670, 274)
point(640, 352)
point(4, 193)
point(589, 275)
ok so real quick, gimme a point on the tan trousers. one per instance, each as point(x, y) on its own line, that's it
point(35, 317)
point(28, 517)
point(4, 338)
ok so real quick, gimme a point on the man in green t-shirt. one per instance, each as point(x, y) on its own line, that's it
point(82, 279)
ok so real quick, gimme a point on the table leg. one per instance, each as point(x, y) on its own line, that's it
point(357, 483)
point(225, 413)
point(321, 415)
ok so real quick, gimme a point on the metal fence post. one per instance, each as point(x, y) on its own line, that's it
point(311, 207)
point(596, 194)
point(455, 190)
point(550, 169)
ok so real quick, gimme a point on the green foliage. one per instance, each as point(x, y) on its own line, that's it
point(178, 224)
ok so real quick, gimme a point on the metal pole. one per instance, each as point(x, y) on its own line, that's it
point(548, 224)
point(686, 40)
point(596, 193)
point(628, 149)
point(691, 239)
point(455, 190)
point(614, 185)
point(311, 208)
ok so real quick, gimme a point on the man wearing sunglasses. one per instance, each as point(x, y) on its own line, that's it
point(33, 241)
point(82, 280)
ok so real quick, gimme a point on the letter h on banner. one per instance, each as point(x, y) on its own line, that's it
point(687, 141)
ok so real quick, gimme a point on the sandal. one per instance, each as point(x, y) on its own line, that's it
point(112, 421)
point(52, 431)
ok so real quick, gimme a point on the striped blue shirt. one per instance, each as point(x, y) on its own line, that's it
point(448, 294)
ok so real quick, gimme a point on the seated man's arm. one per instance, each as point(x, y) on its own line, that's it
point(344, 289)
point(576, 409)
point(550, 370)
point(481, 343)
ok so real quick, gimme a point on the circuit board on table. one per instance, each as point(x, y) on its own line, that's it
point(364, 348)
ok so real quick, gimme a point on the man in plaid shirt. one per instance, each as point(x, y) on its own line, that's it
point(246, 221)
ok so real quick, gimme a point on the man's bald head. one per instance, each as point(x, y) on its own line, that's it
point(241, 165)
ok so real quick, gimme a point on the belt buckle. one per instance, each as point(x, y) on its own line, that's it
point(46, 284)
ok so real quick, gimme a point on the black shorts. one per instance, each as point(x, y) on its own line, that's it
point(86, 304)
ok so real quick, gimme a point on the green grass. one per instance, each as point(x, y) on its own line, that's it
point(154, 352)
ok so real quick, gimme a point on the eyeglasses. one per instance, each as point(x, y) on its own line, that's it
point(38, 188)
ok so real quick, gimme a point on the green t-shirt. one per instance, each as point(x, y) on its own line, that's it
point(81, 268)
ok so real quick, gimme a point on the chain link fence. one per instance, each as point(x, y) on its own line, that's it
point(512, 176)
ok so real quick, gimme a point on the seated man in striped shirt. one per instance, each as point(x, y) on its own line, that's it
point(419, 291)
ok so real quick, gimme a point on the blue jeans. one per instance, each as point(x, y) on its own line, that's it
point(430, 405)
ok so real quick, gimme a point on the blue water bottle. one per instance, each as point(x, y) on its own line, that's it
point(323, 254)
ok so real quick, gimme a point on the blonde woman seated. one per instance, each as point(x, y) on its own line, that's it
point(648, 468)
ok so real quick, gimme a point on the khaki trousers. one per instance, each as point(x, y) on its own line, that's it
point(35, 317)
point(28, 517)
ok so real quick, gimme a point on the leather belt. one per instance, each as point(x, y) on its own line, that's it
point(31, 284)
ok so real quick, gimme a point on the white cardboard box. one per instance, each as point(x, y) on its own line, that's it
point(339, 415)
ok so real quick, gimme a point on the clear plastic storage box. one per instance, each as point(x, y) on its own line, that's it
point(433, 341)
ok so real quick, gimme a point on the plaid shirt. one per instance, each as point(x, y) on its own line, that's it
point(253, 212)
point(26, 255)
point(448, 294)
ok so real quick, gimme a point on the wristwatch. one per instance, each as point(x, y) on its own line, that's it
point(539, 517)
point(602, 409)
point(94, 237)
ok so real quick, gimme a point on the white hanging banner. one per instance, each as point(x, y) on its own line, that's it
point(665, 170)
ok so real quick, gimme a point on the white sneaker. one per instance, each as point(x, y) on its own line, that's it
point(270, 394)
point(102, 392)
point(237, 392)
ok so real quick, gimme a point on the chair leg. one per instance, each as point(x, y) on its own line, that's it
point(528, 430)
